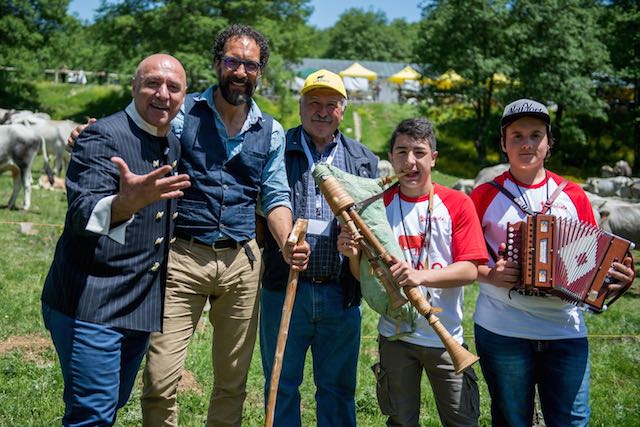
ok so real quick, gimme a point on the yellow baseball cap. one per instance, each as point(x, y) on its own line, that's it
point(324, 79)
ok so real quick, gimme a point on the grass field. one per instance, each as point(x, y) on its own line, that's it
point(31, 383)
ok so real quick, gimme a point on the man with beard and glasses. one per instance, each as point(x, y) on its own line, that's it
point(235, 156)
point(326, 315)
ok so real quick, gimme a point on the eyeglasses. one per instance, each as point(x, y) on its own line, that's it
point(233, 64)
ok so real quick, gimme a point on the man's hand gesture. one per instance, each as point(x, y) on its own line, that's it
point(138, 191)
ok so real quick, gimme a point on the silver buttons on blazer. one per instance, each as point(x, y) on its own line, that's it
point(156, 163)
point(155, 266)
point(159, 215)
point(174, 164)
point(159, 240)
point(173, 239)
point(175, 215)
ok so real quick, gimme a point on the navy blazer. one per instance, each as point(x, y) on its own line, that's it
point(92, 277)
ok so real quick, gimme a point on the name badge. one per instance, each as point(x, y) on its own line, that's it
point(319, 228)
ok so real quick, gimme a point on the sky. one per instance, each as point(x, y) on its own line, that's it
point(326, 12)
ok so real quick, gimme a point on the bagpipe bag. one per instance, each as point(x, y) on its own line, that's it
point(374, 215)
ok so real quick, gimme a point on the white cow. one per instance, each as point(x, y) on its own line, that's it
point(622, 168)
point(464, 185)
point(632, 191)
point(487, 174)
point(55, 133)
point(5, 114)
point(607, 186)
point(618, 216)
point(26, 117)
point(18, 148)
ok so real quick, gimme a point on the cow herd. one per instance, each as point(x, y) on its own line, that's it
point(22, 135)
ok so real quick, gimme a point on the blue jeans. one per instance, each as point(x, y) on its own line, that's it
point(99, 365)
point(513, 366)
point(319, 321)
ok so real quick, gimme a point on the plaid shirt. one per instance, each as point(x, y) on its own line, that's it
point(325, 260)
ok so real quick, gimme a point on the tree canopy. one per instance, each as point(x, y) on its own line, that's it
point(543, 49)
point(581, 57)
point(366, 35)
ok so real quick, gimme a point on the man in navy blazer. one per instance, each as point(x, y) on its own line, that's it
point(104, 292)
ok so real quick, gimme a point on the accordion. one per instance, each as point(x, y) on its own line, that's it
point(564, 257)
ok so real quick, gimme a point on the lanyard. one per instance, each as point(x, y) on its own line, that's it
point(426, 241)
point(307, 152)
point(312, 166)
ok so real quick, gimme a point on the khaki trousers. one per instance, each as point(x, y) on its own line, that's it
point(197, 273)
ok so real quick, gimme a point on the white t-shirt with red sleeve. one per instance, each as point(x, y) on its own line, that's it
point(455, 235)
point(510, 313)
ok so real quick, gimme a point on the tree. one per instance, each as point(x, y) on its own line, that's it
point(34, 35)
point(25, 28)
point(316, 42)
point(365, 35)
point(402, 36)
point(622, 20)
point(555, 48)
point(469, 37)
point(186, 29)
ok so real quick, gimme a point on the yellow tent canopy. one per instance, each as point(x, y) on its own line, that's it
point(357, 70)
point(407, 73)
point(446, 80)
point(500, 78)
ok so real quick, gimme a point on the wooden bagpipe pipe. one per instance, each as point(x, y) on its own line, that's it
point(566, 258)
point(331, 182)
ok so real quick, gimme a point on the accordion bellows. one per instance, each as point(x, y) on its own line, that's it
point(564, 257)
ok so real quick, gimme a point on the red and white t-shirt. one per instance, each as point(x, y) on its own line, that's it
point(455, 236)
point(509, 313)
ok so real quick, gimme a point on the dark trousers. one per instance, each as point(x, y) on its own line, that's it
point(99, 365)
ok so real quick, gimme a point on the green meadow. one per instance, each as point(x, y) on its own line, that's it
point(31, 383)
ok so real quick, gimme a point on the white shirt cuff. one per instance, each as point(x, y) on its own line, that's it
point(100, 221)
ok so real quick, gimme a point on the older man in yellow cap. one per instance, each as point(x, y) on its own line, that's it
point(326, 315)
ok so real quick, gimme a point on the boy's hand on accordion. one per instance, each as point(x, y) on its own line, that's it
point(622, 273)
point(505, 274)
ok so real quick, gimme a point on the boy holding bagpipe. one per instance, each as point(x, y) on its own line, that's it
point(442, 245)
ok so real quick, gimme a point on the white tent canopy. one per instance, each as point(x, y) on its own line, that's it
point(356, 84)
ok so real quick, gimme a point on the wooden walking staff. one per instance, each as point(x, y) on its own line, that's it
point(295, 238)
point(344, 207)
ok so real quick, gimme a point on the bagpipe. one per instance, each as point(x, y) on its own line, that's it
point(566, 258)
point(367, 223)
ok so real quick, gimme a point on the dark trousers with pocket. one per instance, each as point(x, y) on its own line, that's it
point(399, 375)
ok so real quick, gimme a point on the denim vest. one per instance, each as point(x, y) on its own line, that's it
point(358, 161)
point(223, 193)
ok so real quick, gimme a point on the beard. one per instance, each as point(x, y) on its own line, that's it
point(236, 97)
